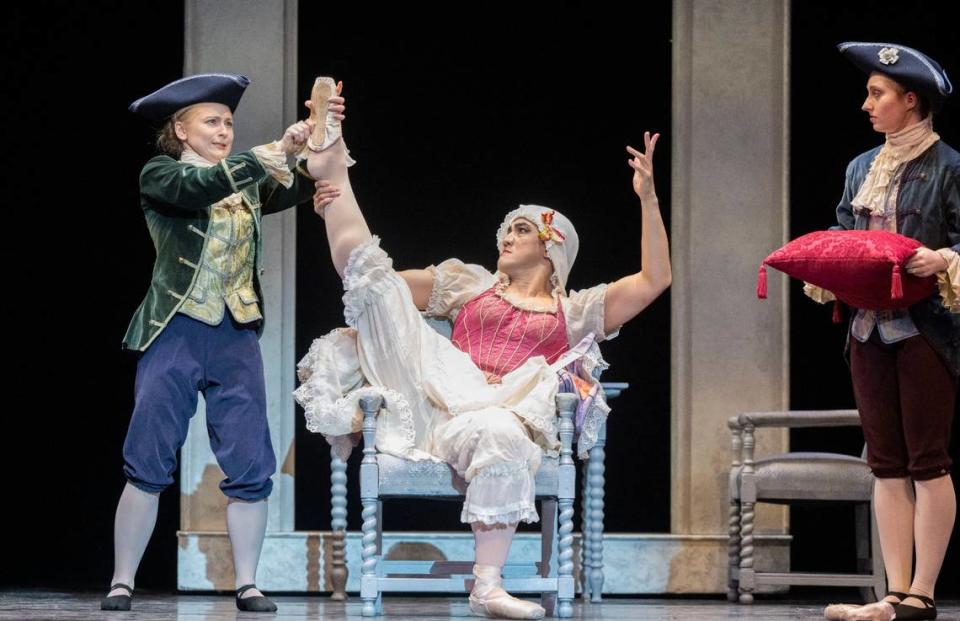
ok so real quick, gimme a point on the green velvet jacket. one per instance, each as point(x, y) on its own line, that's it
point(176, 199)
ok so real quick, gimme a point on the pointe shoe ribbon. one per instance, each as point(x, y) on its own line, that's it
point(488, 599)
point(327, 129)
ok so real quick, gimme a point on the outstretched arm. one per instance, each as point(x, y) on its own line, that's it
point(628, 296)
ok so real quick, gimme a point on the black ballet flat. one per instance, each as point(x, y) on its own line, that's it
point(897, 594)
point(117, 602)
point(912, 613)
point(257, 603)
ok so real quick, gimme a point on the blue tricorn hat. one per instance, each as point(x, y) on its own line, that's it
point(222, 88)
point(915, 70)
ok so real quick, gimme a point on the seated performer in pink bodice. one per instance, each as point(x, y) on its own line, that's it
point(482, 401)
point(499, 336)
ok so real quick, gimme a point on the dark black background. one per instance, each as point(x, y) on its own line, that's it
point(455, 118)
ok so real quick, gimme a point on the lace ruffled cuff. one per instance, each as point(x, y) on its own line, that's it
point(275, 162)
point(817, 294)
point(502, 493)
point(948, 281)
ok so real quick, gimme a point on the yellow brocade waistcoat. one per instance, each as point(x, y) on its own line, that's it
point(225, 275)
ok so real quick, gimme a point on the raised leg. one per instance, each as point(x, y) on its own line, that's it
point(345, 224)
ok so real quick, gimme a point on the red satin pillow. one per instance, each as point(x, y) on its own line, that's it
point(861, 268)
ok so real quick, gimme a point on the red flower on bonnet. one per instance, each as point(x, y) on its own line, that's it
point(548, 231)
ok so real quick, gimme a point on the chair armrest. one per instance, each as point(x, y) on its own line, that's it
point(613, 389)
point(736, 442)
point(743, 427)
point(800, 418)
point(370, 406)
point(566, 406)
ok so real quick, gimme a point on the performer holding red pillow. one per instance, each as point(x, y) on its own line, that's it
point(862, 269)
point(905, 363)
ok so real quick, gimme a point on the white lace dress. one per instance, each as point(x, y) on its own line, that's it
point(437, 402)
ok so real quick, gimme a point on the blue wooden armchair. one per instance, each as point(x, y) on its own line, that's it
point(385, 477)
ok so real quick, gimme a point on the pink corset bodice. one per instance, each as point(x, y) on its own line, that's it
point(499, 337)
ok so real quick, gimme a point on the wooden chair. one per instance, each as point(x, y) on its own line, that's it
point(805, 477)
point(384, 477)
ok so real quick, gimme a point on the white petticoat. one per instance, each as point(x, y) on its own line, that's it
point(437, 403)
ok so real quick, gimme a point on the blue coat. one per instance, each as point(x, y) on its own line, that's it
point(928, 210)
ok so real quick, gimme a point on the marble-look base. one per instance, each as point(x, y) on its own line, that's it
point(634, 563)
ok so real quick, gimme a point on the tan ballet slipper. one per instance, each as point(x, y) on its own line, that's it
point(326, 129)
point(838, 612)
point(488, 599)
point(877, 611)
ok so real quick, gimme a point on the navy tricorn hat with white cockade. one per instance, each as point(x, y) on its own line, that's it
point(913, 69)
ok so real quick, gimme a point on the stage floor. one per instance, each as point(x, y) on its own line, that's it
point(58, 606)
